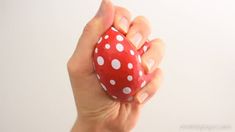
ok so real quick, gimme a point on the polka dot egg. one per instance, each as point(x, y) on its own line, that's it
point(118, 65)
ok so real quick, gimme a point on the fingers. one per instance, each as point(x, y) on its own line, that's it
point(153, 56)
point(93, 30)
point(150, 89)
point(122, 19)
point(139, 31)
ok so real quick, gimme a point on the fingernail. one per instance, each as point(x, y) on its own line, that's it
point(136, 39)
point(150, 64)
point(124, 24)
point(143, 97)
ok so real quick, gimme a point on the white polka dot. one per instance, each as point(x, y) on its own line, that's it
point(115, 97)
point(105, 89)
point(119, 47)
point(114, 29)
point(140, 73)
point(98, 76)
point(130, 98)
point(100, 60)
point(139, 58)
point(126, 90)
point(143, 84)
point(129, 78)
point(100, 40)
point(107, 46)
point(119, 38)
point(130, 66)
point(145, 48)
point(116, 64)
point(106, 36)
point(96, 50)
point(112, 82)
point(132, 52)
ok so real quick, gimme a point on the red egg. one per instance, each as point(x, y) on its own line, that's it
point(118, 65)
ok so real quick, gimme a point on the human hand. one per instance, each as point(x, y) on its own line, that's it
point(97, 112)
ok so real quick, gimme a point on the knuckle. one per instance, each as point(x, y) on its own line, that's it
point(123, 11)
point(142, 19)
point(155, 84)
point(143, 23)
point(90, 26)
point(160, 41)
point(159, 45)
point(158, 79)
point(72, 67)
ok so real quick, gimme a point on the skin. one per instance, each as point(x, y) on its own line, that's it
point(97, 112)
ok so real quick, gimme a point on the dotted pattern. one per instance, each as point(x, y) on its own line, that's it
point(118, 65)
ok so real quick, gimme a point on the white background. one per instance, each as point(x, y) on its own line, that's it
point(38, 36)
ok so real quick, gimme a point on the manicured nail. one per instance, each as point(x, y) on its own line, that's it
point(150, 64)
point(136, 39)
point(124, 24)
point(143, 97)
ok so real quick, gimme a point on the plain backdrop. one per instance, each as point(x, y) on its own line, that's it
point(38, 36)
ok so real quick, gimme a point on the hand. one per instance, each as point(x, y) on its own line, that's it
point(97, 112)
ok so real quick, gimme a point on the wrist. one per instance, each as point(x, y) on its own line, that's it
point(89, 126)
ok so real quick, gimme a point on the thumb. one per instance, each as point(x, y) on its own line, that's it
point(82, 56)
